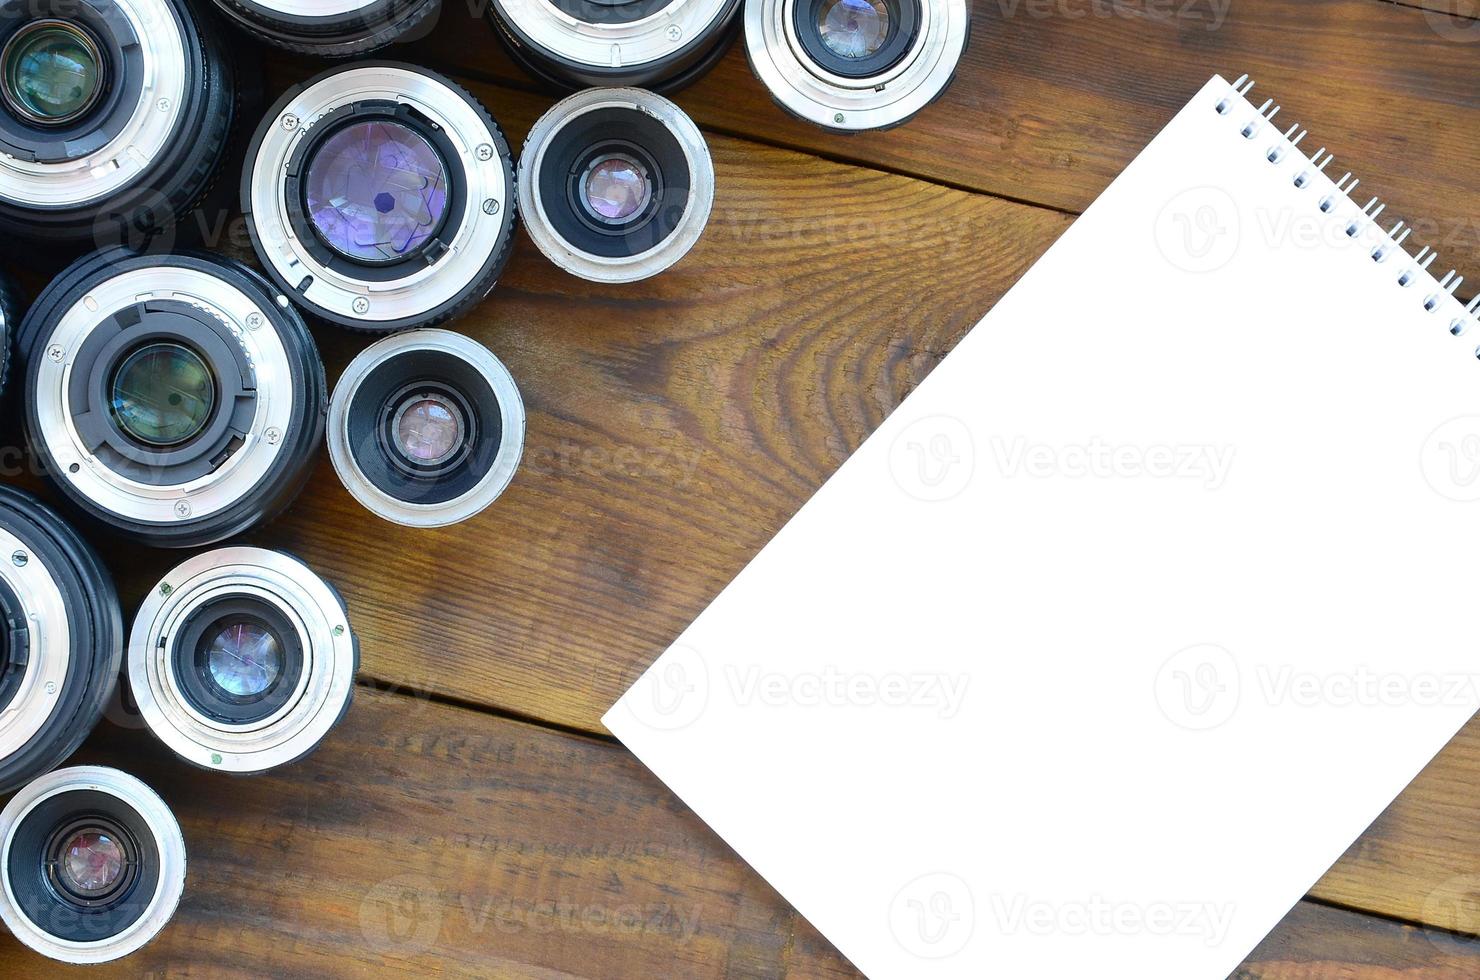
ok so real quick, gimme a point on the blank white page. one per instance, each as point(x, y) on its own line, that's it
point(1113, 637)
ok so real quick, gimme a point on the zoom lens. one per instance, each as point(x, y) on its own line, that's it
point(61, 638)
point(426, 428)
point(93, 862)
point(334, 29)
point(855, 64)
point(113, 117)
point(380, 197)
point(178, 399)
point(615, 185)
point(658, 44)
point(242, 660)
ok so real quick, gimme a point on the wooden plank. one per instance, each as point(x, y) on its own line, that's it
point(1055, 97)
point(429, 840)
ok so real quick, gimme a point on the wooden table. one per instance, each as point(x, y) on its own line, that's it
point(471, 817)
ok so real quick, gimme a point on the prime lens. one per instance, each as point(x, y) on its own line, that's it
point(855, 64)
point(426, 428)
point(178, 399)
point(242, 660)
point(61, 638)
point(380, 197)
point(114, 115)
point(615, 184)
point(93, 864)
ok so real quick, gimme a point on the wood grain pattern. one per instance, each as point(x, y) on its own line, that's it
point(431, 840)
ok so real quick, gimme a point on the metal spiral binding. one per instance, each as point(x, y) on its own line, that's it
point(1392, 240)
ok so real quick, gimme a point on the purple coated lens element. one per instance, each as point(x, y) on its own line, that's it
point(617, 188)
point(376, 191)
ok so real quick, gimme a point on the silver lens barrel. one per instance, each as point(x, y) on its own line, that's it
point(242, 660)
point(426, 428)
point(380, 196)
point(125, 875)
point(855, 64)
point(615, 184)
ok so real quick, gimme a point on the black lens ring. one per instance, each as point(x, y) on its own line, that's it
point(187, 650)
point(101, 354)
point(904, 27)
point(100, 823)
point(15, 644)
point(468, 420)
point(433, 369)
point(364, 29)
point(571, 148)
point(29, 875)
point(95, 622)
point(295, 191)
point(299, 441)
point(578, 204)
point(107, 25)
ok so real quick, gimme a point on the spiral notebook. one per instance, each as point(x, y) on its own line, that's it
point(1120, 630)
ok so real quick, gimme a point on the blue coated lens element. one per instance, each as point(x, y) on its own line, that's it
point(244, 659)
point(853, 29)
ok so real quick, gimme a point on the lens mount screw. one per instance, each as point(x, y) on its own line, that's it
point(55, 352)
point(254, 320)
point(165, 588)
point(361, 305)
point(339, 631)
point(490, 206)
point(484, 151)
point(163, 105)
point(272, 436)
point(215, 758)
point(674, 32)
point(290, 122)
point(19, 559)
point(838, 117)
point(182, 508)
point(51, 687)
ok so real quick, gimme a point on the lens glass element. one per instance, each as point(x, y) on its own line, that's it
point(53, 72)
point(616, 188)
point(91, 863)
point(163, 394)
point(428, 428)
point(376, 192)
point(853, 28)
point(244, 658)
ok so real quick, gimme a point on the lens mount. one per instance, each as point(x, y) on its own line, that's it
point(141, 148)
point(242, 660)
point(138, 861)
point(666, 156)
point(61, 638)
point(330, 28)
point(463, 449)
point(910, 67)
point(438, 213)
point(576, 44)
point(211, 434)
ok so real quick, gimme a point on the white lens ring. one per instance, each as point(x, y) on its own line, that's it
point(616, 269)
point(484, 172)
point(511, 437)
point(49, 645)
point(150, 127)
point(168, 841)
point(608, 47)
point(322, 691)
point(832, 101)
point(114, 493)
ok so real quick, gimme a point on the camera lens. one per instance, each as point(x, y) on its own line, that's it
point(178, 399)
point(113, 117)
point(426, 428)
point(335, 29)
point(658, 44)
point(380, 197)
point(242, 660)
point(856, 64)
point(615, 185)
point(61, 638)
point(93, 864)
